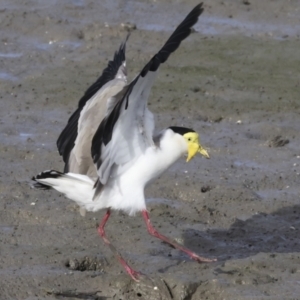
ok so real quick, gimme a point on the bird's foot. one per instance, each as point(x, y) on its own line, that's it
point(135, 275)
point(201, 259)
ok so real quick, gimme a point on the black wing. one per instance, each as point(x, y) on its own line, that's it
point(104, 132)
point(66, 140)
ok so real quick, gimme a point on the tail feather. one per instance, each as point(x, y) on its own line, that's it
point(44, 175)
point(77, 187)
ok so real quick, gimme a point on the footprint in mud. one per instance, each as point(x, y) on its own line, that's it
point(86, 264)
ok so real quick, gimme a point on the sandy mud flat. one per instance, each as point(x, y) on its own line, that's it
point(235, 80)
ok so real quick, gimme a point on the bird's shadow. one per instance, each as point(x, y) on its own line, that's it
point(270, 233)
point(277, 232)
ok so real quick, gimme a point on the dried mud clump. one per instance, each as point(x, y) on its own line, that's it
point(278, 141)
point(85, 264)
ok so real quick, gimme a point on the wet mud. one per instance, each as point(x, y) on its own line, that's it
point(235, 81)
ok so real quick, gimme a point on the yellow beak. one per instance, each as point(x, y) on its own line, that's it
point(193, 148)
point(203, 152)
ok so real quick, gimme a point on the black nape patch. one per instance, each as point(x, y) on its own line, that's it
point(181, 130)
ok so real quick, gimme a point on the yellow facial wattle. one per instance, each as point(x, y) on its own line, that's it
point(194, 145)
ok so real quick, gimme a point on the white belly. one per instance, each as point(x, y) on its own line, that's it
point(126, 191)
point(125, 188)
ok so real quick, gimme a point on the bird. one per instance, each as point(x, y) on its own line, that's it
point(109, 147)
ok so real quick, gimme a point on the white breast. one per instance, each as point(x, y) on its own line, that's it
point(126, 191)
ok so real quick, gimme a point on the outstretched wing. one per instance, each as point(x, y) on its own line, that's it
point(116, 68)
point(126, 131)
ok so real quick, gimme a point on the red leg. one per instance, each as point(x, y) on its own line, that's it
point(155, 233)
point(133, 274)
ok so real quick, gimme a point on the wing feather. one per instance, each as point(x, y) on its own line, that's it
point(116, 68)
point(127, 129)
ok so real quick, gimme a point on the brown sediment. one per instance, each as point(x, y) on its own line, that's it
point(237, 85)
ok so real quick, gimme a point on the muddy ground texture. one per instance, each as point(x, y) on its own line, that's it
point(236, 81)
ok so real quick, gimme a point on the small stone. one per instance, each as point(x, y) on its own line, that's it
point(246, 2)
point(128, 26)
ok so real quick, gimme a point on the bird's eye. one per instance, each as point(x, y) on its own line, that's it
point(189, 139)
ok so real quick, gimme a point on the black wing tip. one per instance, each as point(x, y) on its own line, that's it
point(182, 31)
point(107, 74)
point(199, 7)
point(123, 44)
point(119, 57)
point(197, 10)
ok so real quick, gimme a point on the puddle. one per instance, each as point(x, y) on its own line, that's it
point(54, 43)
point(152, 17)
point(225, 26)
point(221, 26)
point(7, 229)
point(248, 164)
point(6, 76)
point(38, 4)
point(30, 271)
point(10, 55)
point(278, 194)
point(24, 136)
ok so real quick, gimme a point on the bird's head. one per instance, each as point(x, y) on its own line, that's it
point(193, 142)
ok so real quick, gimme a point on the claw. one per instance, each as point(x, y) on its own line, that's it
point(201, 259)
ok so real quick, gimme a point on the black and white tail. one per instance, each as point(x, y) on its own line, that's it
point(45, 175)
point(77, 187)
